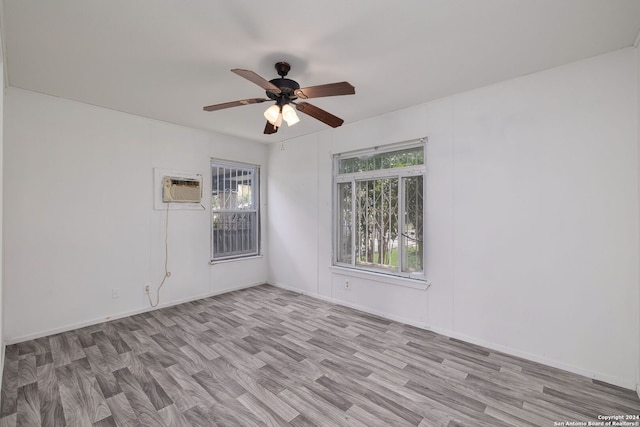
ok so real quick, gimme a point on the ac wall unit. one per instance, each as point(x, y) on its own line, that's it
point(181, 190)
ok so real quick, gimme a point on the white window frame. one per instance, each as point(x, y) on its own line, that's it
point(396, 173)
point(255, 193)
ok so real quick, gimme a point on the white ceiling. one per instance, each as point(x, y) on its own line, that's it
point(166, 59)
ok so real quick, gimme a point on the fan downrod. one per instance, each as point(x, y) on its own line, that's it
point(282, 68)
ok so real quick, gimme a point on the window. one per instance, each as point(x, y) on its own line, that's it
point(379, 203)
point(235, 212)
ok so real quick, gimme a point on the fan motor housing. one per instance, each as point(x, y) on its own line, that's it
point(287, 87)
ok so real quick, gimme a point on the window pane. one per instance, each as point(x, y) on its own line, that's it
point(232, 188)
point(216, 200)
point(377, 224)
point(395, 159)
point(234, 234)
point(344, 223)
point(244, 184)
point(235, 210)
point(413, 233)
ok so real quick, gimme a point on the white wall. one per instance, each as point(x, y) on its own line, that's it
point(532, 217)
point(79, 218)
point(294, 203)
point(638, 89)
point(2, 87)
point(545, 172)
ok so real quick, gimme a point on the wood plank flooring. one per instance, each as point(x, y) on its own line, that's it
point(265, 356)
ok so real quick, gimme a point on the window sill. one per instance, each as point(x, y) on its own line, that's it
point(222, 261)
point(420, 284)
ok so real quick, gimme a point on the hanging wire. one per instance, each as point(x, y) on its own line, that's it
point(167, 273)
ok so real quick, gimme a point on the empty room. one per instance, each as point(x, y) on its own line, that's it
point(338, 213)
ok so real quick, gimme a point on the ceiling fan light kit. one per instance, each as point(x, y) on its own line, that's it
point(289, 115)
point(276, 113)
point(285, 91)
point(272, 113)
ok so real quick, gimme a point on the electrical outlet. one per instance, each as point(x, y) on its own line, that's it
point(347, 285)
point(147, 289)
point(115, 293)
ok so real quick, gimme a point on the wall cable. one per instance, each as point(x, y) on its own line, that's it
point(167, 273)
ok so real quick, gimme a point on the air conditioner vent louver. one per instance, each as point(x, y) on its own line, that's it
point(181, 190)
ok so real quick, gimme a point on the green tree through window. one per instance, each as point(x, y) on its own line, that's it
point(380, 211)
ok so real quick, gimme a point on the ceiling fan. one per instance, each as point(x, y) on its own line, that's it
point(285, 91)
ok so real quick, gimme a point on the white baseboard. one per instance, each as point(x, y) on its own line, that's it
point(350, 305)
point(492, 346)
point(91, 322)
point(536, 358)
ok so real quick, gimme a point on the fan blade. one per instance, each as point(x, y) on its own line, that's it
point(257, 79)
point(320, 114)
point(331, 89)
point(234, 104)
point(269, 129)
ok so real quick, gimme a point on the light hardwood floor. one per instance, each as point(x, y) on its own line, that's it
point(265, 356)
